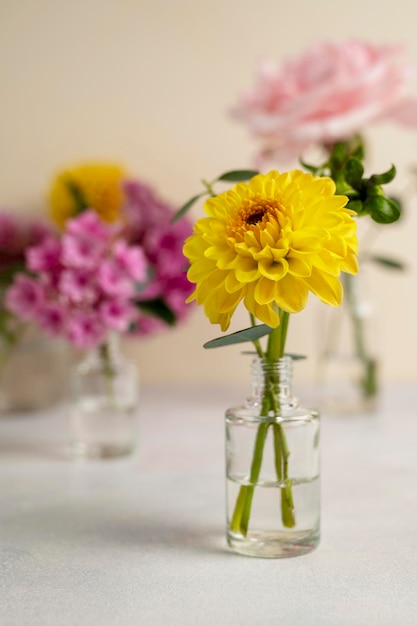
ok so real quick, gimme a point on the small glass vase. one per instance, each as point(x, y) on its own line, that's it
point(272, 468)
point(34, 372)
point(104, 403)
point(348, 380)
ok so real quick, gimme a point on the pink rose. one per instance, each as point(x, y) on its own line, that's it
point(329, 93)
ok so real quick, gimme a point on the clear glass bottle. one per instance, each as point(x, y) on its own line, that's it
point(34, 372)
point(104, 403)
point(348, 376)
point(272, 468)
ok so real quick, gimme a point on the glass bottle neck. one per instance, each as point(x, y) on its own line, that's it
point(272, 383)
point(107, 353)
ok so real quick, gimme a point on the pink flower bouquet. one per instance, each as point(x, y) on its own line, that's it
point(82, 285)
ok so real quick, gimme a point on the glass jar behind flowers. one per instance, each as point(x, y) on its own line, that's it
point(267, 243)
point(82, 287)
point(347, 372)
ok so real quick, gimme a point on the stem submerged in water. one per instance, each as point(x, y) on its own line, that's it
point(270, 403)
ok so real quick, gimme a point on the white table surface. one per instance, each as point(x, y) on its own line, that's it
point(140, 540)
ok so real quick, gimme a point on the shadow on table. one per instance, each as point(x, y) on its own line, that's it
point(35, 450)
point(100, 529)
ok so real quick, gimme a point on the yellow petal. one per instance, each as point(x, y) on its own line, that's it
point(326, 287)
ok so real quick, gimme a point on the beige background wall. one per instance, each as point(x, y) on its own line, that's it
point(149, 83)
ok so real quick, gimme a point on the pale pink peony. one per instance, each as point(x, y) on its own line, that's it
point(330, 93)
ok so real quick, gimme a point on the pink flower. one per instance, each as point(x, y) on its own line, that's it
point(9, 231)
point(82, 251)
point(78, 285)
point(24, 297)
point(85, 329)
point(17, 233)
point(117, 315)
point(89, 225)
point(114, 281)
point(131, 259)
point(329, 93)
point(51, 317)
point(44, 257)
point(148, 224)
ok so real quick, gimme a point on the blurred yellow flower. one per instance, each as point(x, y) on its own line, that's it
point(90, 185)
point(269, 242)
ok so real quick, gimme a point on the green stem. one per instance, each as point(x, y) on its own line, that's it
point(108, 370)
point(282, 454)
point(209, 187)
point(241, 515)
point(270, 401)
point(369, 379)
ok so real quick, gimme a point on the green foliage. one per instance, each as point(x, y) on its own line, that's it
point(237, 176)
point(79, 201)
point(233, 176)
point(366, 196)
point(159, 309)
point(8, 273)
point(241, 336)
point(186, 207)
point(388, 262)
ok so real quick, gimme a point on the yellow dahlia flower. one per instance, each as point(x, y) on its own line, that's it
point(92, 185)
point(269, 242)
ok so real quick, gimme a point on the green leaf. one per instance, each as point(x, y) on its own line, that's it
point(355, 205)
point(382, 179)
point(382, 209)
point(158, 308)
point(295, 357)
point(339, 154)
point(241, 336)
point(8, 273)
point(237, 176)
point(359, 152)
point(80, 203)
point(185, 207)
point(310, 168)
point(354, 172)
point(388, 262)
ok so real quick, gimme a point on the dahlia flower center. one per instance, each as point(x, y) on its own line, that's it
point(253, 215)
point(257, 215)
